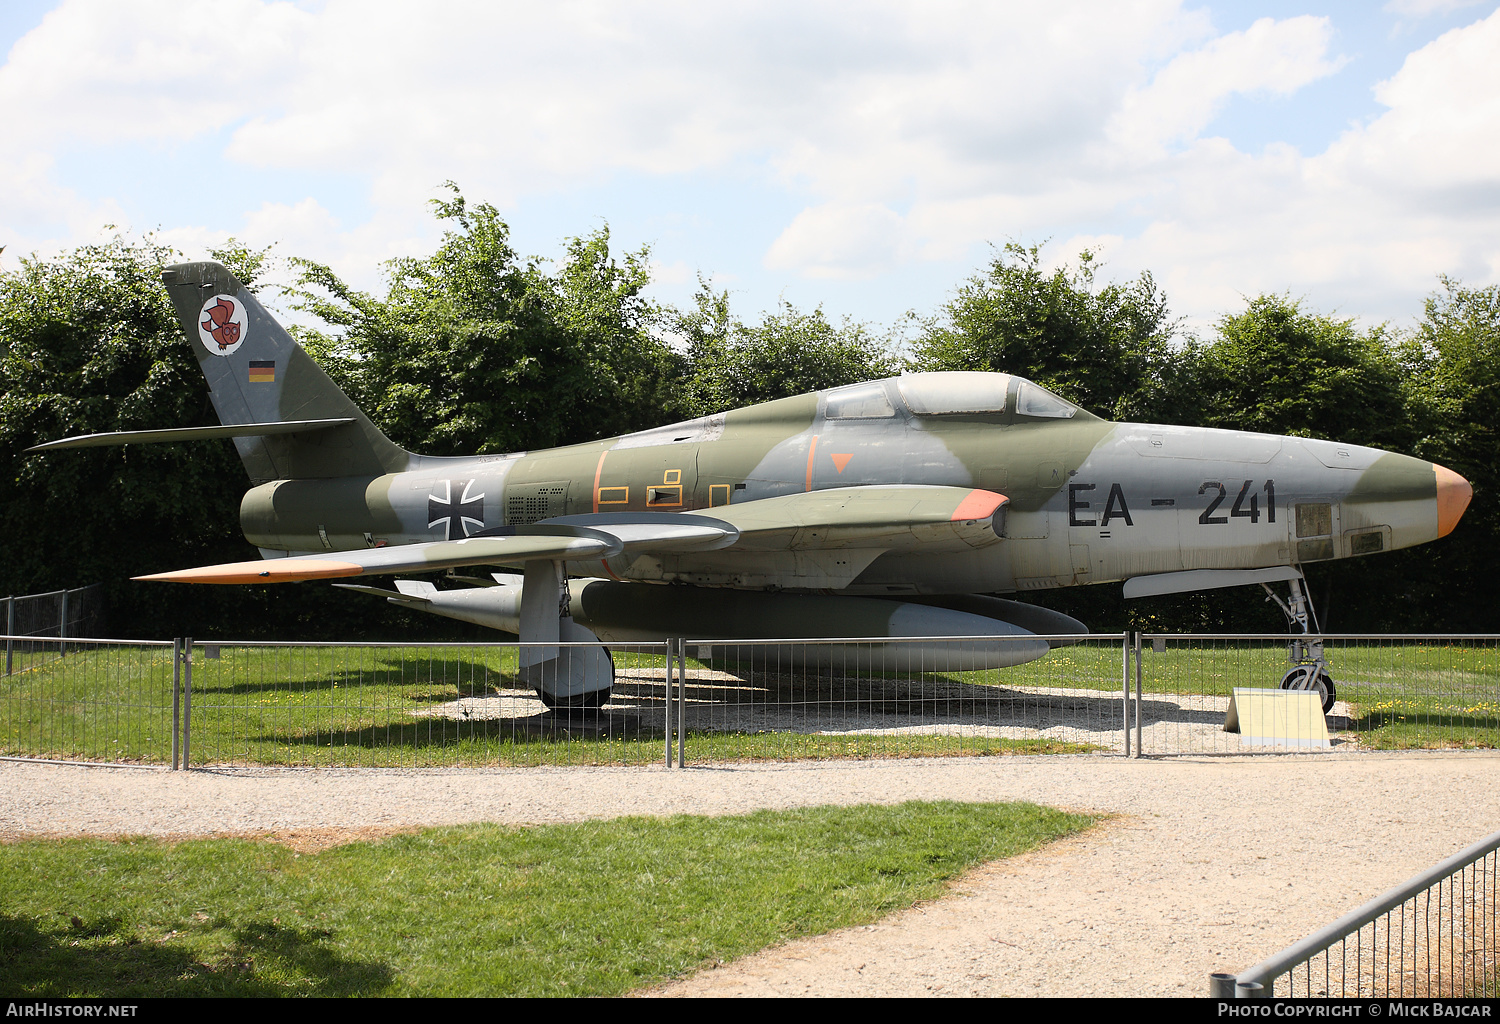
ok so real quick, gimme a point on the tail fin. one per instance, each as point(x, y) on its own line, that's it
point(258, 374)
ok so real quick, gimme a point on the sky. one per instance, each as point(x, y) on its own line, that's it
point(866, 157)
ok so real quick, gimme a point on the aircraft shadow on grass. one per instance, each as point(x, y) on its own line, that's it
point(39, 962)
point(469, 677)
point(729, 702)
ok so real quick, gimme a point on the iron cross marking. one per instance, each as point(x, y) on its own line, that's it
point(456, 518)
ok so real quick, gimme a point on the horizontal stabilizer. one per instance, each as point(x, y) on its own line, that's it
point(190, 434)
point(517, 544)
point(391, 595)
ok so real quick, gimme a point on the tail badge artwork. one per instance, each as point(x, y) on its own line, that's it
point(222, 324)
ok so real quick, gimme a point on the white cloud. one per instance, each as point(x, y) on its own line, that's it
point(1372, 220)
point(1437, 143)
point(1275, 57)
point(906, 133)
point(676, 272)
point(841, 241)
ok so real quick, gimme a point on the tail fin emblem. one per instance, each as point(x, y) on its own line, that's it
point(221, 325)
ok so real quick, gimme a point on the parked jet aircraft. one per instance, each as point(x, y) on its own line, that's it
point(884, 509)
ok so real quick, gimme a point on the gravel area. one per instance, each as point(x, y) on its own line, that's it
point(1210, 863)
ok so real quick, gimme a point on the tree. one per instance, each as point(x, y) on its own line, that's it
point(1105, 348)
point(90, 343)
point(789, 353)
point(1460, 338)
point(1277, 369)
point(475, 350)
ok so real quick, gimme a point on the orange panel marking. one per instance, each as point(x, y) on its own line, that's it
point(611, 496)
point(271, 570)
point(840, 461)
point(714, 500)
point(811, 451)
point(597, 471)
point(978, 505)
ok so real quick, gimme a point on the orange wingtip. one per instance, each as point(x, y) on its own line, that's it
point(278, 570)
point(978, 505)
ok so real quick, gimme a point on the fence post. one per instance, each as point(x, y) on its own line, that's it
point(10, 629)
point(176, 698)
point(1138, 694)
point(1125, 685)
point(187, 701)
point(62, 626)
point(681, 702)
point(666, 722)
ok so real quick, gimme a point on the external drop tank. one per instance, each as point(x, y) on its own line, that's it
point(987, 632)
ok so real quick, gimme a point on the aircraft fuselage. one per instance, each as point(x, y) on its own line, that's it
point(1090, 501)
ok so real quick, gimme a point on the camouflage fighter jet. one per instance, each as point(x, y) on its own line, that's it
point(893, 508)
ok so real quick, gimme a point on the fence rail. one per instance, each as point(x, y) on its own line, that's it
point(407, 705)
point(1433, 935)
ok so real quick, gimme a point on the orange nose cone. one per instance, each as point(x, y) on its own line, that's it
point(1453, 494)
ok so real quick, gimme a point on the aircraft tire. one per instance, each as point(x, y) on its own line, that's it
point(1312, 677)
point(584, 702)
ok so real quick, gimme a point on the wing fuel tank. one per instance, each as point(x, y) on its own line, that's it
point(626, 612)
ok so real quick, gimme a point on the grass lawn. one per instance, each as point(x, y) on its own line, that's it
point(598, 908)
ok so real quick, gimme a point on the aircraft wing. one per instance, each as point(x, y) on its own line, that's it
point(563, 543)
point(504, 545)
point(884, 518)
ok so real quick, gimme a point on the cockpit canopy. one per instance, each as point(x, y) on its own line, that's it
point(950, 393)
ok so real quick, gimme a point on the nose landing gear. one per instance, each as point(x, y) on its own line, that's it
point(1309, 669)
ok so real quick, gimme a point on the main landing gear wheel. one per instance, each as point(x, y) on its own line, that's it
point(584, 702)
point(1312, 677)
point(589, 702)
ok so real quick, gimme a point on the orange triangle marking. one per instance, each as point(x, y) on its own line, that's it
point(840, 461)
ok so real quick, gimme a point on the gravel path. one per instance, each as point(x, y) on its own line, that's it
point(1212, 863)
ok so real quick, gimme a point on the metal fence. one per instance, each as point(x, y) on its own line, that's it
point(108, 700)
point(408, 705)
point(305, 704)
point(58, 613)
point(1434, 935)
point(1391, 691)
point(412, 705)
point(872, 698)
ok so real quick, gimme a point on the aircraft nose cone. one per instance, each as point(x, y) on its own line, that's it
point(1453, 494)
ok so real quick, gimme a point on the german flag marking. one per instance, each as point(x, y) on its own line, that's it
point(263, 371)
